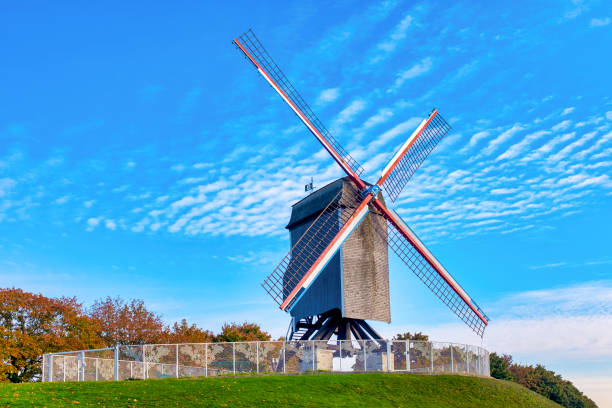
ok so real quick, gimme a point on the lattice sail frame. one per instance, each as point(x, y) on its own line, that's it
point(394, 178)
point(415, 261)
point(257, 51)
point(305, 252)
point(425, 142)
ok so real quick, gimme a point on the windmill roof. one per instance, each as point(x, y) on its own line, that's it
point(313, 204)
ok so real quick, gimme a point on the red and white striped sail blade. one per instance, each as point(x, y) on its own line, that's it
point(257, 54)
point(421, 261)
point(316, 247)
point(412, 154)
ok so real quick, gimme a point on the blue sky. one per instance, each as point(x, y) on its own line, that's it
point(142, 156)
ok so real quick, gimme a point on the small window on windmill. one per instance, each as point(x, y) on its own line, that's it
point(309, 187)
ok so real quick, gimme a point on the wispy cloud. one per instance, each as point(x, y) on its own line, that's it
point(349, 113)
point(390, 44)
point(6, 184)
point(516, 149)
point(600, 22)
point(567, 111)
point(502, 138)
point(327, 96)
point(92, 223)
point(420, 68)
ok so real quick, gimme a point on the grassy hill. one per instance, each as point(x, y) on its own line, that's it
point(328, 390)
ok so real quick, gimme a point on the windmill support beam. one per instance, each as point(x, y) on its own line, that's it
point(332, 322)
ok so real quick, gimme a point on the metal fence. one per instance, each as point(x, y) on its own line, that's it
point(263, 357)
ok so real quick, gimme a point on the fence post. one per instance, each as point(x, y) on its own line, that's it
point(467, 359)
point(340, 341)
point(116, 361)
point(388, 356)
point(284, 351)
point(177, 360)
point(81, 367)
point(144, 363)
point(314, 356)
point(234, 357)
point(45, 361)
point(131, 369)
point(206, 359)
point(97, 368)
point(64, 366)
point(431, 356)
point(365, 356)
point(451, 356)
point(408, 355)
point(257, 355)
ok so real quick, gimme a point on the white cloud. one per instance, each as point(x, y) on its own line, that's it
point(502, 138)
point(349, 113)
point(579, 7)
point(420, 68)
point(193, 180)
point(596, 388)
point(550, 265)
point(477, 137)
point(327, 96)
point(110, 224)
point(140, 226)
point(389, 45)
point(567, 111)
point(548, 147)
point(381, 116)
point(600, 22)
point(561, 126)
point(609, 115)
point(6, 184)
point(563, 153)
point(500, 191)
point(520, 147)
point(62, 200)
point(405, 127)
point(92, 223)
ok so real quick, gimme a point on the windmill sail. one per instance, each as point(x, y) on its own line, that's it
point(409, 248)
point(316, 246)
point(412, 154)
point(324, 236)
point(257, 54)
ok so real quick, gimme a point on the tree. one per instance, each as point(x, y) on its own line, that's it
point(539, 379)
point(183, 333)
point(409, 336)
point(241, 332)
point(127, 323)
point(32, 324)
point(500, 366)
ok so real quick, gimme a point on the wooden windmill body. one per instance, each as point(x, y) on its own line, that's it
point(354, 286)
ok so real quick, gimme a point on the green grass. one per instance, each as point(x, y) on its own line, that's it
point(325, 390)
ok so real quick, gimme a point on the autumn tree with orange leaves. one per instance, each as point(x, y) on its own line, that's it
point(32, 324)
point(241, 332)
point(184, 333)
point(127, 323)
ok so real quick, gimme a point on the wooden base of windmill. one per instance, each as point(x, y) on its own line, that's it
point(330, 323)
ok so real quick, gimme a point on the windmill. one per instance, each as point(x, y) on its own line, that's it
point(335, 276)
